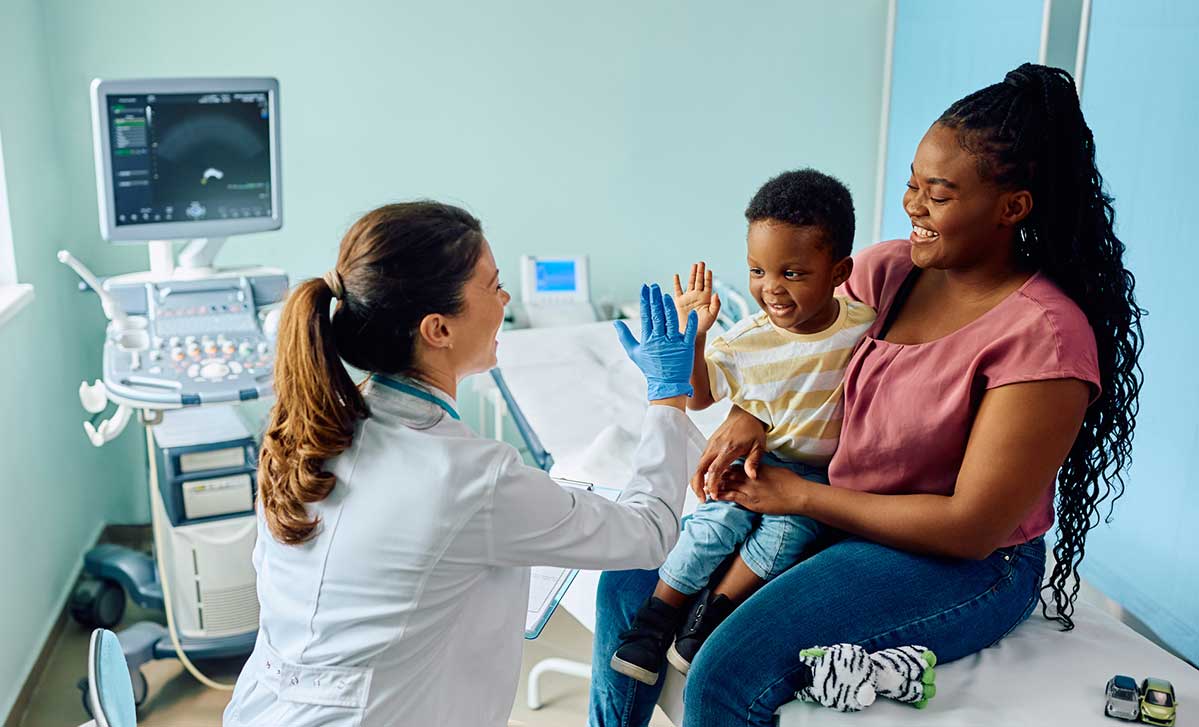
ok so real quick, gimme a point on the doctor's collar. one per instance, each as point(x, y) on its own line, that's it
point(420, 391)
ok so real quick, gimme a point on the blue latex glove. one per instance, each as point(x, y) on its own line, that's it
point(664, 355)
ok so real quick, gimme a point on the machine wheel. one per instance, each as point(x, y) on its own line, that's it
point(141, 689)
point(87, 707)
point(98, 603)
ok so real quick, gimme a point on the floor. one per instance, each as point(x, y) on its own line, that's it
point(176, 699)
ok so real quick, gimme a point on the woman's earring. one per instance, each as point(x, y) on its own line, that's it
point(1024, 245)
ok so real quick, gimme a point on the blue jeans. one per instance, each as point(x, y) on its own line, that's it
point(853, 591)
point(770, 544)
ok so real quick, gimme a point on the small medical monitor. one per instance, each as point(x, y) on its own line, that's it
point(555, 279)
point(187, 157)
point(556, 276)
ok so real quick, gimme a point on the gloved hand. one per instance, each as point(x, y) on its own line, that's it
point(664, 355)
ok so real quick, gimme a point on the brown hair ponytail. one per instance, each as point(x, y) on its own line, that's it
point(397, 264)
point(313, 418)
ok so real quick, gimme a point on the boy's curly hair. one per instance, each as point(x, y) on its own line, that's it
point(808, 197)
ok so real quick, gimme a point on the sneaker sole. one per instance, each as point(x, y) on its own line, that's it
point(677, 661)
point(641, 674)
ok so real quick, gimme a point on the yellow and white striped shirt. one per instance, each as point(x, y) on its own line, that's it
point(791, 381)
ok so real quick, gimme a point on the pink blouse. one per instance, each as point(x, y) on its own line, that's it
point(909, 407)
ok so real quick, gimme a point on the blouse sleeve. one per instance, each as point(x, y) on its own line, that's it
point(1053, 340)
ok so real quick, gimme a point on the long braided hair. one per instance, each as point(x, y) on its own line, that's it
point(1028, 132)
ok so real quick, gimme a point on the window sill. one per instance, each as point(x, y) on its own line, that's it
point(12, 299)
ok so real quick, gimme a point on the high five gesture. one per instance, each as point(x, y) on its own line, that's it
point(699, 297)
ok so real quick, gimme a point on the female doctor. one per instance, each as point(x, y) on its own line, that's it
point(394, 544)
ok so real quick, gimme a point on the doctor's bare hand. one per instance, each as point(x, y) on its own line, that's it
point(742, 435)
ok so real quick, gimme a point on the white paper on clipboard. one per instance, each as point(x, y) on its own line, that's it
point(547, 584)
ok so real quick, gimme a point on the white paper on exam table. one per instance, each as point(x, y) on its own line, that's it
point(586, 401)
point(575, 385)
point(547, 584)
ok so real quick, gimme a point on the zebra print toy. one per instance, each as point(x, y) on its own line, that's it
point(847, 678)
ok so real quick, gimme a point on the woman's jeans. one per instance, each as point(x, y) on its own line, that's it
point(770, 544)
point(852, 591)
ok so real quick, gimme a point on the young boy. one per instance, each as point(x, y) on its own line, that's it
point(785, 366)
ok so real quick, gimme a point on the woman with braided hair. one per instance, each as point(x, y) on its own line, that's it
point(1003, 362)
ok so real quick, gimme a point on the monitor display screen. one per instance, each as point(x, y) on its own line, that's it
point(556, 276)
point(189, 157)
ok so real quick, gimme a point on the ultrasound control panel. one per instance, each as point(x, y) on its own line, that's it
point(202, 343)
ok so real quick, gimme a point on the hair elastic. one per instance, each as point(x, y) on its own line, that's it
point(333, 280)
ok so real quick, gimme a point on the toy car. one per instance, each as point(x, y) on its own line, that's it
point(1157, 702)
point(1123, 701)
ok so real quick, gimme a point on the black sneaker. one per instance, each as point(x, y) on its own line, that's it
point(706, 614)
point(643, 646)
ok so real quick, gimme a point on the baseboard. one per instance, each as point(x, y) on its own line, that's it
point(133, 536)
point(17, 714)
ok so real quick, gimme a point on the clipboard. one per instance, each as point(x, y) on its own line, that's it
point(548, 584)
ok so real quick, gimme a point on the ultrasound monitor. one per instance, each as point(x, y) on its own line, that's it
point(186, 158)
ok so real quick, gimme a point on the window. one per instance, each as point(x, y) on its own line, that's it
point(13, 296)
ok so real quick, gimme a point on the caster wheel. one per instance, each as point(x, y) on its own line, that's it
point(98, 603)
point(87, 706)
point(140, 687)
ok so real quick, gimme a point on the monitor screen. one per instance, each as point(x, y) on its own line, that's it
point(556, 276)
point(186, 158)
point(189, 156)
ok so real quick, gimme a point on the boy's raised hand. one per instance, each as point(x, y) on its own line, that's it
point(698, 297)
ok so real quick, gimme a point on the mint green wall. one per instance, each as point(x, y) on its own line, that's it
point(1064, 18)
point(633, 132)
point(56, 488)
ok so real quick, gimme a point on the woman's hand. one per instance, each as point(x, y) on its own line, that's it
point(775, 491)
point(698, 297)
point(741, 435)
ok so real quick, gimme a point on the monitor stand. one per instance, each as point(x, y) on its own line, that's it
point(195, 259)
point(552, 315)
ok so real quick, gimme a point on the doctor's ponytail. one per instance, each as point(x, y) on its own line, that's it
point(396, 265)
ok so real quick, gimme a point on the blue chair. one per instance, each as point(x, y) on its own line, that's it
point(110, 690)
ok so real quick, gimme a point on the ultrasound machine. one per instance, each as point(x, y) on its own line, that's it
point(194, 161)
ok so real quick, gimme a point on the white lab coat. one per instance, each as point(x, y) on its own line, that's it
point(408, 606)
